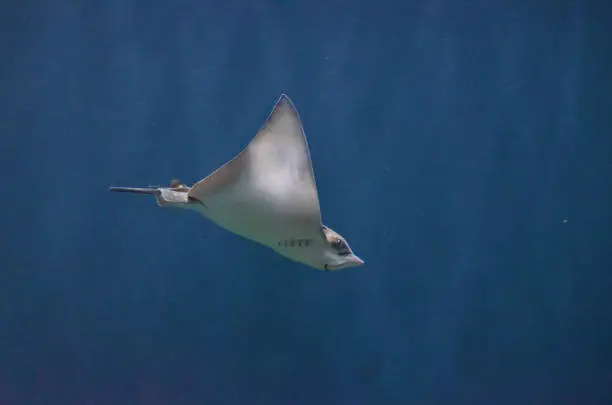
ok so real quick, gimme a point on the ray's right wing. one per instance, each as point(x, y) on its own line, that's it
point(275, 169)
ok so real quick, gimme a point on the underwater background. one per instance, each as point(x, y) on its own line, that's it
point(463, 148)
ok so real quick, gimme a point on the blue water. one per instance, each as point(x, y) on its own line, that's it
point(464, 149)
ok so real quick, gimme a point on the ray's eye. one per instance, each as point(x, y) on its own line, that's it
point(340, 246)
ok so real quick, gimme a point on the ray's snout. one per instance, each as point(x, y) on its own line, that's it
point(346, 263)
point(358, 261)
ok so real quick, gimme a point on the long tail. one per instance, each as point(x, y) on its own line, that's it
point(135, 190)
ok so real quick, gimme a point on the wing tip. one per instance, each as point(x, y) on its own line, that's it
point(284, 98)
point(283, 103)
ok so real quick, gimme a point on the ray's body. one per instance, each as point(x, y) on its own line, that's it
point(267, 194)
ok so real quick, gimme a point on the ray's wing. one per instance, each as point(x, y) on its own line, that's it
point(272, 176)
point(280, 161)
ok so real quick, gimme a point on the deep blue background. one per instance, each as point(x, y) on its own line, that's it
point(464, 148)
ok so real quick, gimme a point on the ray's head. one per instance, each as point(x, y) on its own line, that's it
point(338, 253)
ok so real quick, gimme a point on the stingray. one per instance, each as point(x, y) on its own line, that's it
point(267, 194)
